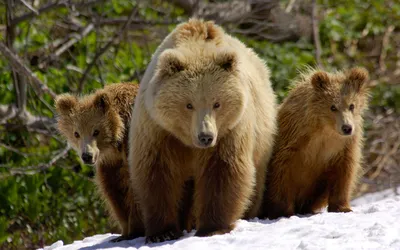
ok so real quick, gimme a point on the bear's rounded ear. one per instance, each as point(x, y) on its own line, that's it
point(102, 101)
point(65, 104)
point(357, 78)
point(227, 60)
point(320, 80)
point(170, 62)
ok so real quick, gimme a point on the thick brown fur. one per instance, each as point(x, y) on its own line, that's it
point(201, 81)
point(315, 164)
point(108, 111)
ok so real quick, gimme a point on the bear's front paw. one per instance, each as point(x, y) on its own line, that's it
point(203, 232)
point(339, 209)
point(122, 238)
point(131, 236)
point(168, 235)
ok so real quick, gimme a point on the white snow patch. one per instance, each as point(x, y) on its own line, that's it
point(372, 197)
point(373, 224)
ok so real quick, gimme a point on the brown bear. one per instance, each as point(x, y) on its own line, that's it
point(96, 125)
point(317, 155)
point(205, 110)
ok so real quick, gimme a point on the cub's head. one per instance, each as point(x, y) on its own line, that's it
point(90, 124)
point(197, 95)
point(340, 99)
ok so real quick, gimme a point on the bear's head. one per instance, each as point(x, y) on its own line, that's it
point(90, 124)
point(340, 99)
point(197, 95)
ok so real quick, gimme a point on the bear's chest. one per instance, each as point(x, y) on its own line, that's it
point(322, 148)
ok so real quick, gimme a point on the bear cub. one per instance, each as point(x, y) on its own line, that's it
point(317, 156)
point(97, 126)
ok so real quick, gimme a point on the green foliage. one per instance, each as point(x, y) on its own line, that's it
point(61, 201)
point(284, 61)
point(41, 202)
point(347, 32)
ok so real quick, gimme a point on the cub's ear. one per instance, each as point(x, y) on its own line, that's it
point(170, 62)
point(358, 77)
point(65, 104)
point(320, 80)
point(102, 101)
point(227, 60)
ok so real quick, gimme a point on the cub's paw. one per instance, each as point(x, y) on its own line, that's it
point(204, 232)
point(278, 214)
point(339, 209)
point(168, 235)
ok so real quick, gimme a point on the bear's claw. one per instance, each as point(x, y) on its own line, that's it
point(205, 233)
point(339, 209)
point(168, 235)
point(127, 237)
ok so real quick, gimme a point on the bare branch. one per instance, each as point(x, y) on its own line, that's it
point(19, 81)
point(39, 86)
point(12, 149)
point(36, 169)
point(74, 39)
point(122, 20)
point(187, 5)
point(385, 43)
point(7, 112)
point(30, 7)
point(289, 7)
point(260, 19)
point(315, 28)
point(26, 120)
point(39, 124)
point(51, 6)
point(381, 152)
point(117, 36)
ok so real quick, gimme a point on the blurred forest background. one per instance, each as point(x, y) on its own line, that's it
point(51, 47)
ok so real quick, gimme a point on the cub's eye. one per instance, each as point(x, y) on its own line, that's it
point(96, 133)
point(189, 106)
point(333, 108)
point(217, 105)
point(351, 107)
point(76, 134)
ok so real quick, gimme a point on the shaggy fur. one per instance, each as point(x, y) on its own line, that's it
point(107, 111)
point(201, 82)
point(315, 162)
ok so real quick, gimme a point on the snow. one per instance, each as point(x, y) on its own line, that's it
point(373, 224)
point(372, 197)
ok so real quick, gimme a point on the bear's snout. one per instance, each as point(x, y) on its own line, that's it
point(87, 158)
point(347, 129)
point(205, 139)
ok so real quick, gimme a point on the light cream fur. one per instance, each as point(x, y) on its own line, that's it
point(199, 64)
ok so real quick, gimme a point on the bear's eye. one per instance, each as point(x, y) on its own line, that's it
point(76, 134)
point(351, 107)
point(333, 108)
point(217, 105)
point(189, 106)
point(96, 133)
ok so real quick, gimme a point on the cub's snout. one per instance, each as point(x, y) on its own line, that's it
point(347, 129)
point(87, 158)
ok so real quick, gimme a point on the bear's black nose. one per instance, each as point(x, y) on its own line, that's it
point(205, 139)
point(347, 129)
point(87, 158)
